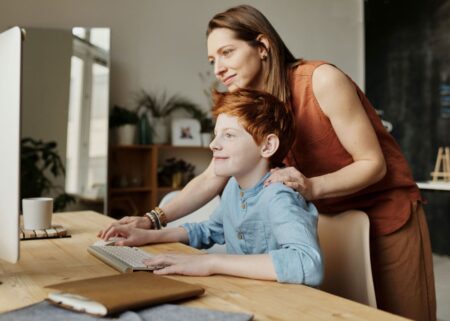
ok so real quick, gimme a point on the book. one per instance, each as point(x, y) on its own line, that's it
point(113, 294)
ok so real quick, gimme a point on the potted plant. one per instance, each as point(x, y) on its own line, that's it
point(40, 165)
point(206, 123)
point(123, 121)
point(211, 84)
point(175, 173)
point(159, 108)
point(207, 128)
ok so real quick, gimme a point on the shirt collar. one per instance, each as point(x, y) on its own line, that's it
point(247, 192)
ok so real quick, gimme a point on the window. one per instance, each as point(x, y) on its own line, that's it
point(87, 139)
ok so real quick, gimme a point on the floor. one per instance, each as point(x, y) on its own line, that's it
point(442, 280)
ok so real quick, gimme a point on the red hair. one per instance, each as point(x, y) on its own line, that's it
point(260, 114)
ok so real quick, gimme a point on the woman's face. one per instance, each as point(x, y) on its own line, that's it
point(236, 63)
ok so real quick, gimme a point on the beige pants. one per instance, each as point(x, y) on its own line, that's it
point(402, 267)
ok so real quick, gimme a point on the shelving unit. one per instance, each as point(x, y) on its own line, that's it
point(133, 175)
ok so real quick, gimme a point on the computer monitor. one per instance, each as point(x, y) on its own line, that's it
point(10, 84)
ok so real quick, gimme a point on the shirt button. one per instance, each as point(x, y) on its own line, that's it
point(243, 205)
point(240, 236)
point(242, 194)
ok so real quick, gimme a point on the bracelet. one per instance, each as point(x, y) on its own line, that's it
point(157, 218)
point(158, 222)
point(152, 221)
point(161, 216)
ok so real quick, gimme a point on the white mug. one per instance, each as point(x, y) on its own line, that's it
point(37, 213)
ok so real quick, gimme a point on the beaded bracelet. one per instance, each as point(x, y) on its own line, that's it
point(161, 216)
point(158, 222)
point(152, 219)
point(157, 218)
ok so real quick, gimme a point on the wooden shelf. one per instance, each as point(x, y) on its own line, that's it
point(133, 147)
point(122, 190)
point(128, 163)
point(158, 146)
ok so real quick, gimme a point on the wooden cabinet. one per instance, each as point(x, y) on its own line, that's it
point(133, 187)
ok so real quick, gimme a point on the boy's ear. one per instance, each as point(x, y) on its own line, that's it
point(270, 145)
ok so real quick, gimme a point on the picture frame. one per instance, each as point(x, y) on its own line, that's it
point(186, 132)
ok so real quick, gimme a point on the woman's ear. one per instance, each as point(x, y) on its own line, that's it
point(270, 146)
point(264, 49)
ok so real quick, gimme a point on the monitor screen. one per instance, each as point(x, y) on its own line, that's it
point(10, 83)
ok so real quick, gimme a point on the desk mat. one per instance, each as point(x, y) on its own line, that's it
point(166, 312)
point(56, 231)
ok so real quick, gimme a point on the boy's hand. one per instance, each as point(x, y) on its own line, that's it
point(130, 221)
point(193, 265)
point(291, 177)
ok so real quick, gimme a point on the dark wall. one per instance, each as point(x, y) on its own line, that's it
point(408, 77)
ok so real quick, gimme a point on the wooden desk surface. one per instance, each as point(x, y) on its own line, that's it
point(45, 262)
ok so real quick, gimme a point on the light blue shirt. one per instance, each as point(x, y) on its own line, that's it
point(275, 220)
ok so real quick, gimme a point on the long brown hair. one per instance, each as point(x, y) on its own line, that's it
point(248, 23)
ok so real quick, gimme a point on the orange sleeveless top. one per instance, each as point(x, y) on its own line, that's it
point(317, 151)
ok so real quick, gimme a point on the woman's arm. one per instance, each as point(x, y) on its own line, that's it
point(135, 236)
point(339, 101)
point(194, 195)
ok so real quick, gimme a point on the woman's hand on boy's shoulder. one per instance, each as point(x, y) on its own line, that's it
point(294, 179)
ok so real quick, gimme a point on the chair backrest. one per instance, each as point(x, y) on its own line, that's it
point(344, 239)
point(199, 215)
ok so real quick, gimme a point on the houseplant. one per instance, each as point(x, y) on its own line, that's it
point(123, 122)
point(175, 173)
point(207, 128)
point(40, 165)
point(160, 107)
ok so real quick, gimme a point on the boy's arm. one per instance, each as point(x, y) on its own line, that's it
point(257, 266)
point(294, 225)
point(249, 266)
point(200, 235)
point(205, 234)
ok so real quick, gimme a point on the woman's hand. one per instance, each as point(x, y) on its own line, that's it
point(291, 177)
point(132, 236)
point(193, 265)
point(142, 222)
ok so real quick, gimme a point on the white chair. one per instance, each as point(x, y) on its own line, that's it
point(199, 215)
point(344, 240)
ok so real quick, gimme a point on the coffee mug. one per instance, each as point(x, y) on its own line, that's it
point(37, 213)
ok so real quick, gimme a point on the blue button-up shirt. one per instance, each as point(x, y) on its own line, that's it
point(275, 220)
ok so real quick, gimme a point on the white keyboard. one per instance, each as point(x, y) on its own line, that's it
point(123, 258)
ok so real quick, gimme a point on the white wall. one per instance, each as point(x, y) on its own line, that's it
point(161, 45)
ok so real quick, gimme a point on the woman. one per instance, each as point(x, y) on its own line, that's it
point(342, 158)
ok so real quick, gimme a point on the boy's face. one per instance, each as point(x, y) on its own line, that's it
point(235, 153)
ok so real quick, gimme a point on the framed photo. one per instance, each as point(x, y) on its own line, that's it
point(186, 132)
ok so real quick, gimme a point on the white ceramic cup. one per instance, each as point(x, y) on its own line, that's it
point(37, 213)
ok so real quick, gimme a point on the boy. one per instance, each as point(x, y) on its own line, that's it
point(274, 225)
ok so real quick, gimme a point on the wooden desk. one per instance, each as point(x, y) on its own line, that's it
point(44, 262)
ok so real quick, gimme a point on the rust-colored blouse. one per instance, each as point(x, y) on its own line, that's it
point(317, 151)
